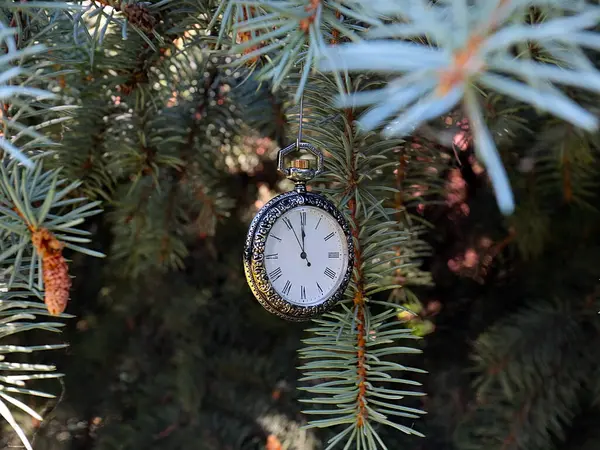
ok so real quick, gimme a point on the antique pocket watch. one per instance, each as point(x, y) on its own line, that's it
point(298, 256)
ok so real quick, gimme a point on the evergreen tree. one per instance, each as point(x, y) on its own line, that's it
point(460, 140)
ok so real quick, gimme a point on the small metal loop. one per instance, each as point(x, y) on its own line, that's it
point(300, 146)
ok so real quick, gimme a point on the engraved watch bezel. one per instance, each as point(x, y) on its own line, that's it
point(254, 255)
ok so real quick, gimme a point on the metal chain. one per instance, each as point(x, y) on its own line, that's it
point(300, 119)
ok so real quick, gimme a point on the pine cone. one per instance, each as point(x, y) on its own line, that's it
point(139, 16)
point(57, 283)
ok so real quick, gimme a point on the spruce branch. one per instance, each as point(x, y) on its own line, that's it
point(469, 44)
point(164, 180)
point(558, 170)
point(277, 36)
point(37, 221)
point(16, 93)
point(352, 359)
point(39, 216)
point(529, 377)
point(36, 228)
point(18, 315)
point(169, 172)
point(93, 21)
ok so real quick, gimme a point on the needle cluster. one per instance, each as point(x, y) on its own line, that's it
point(39, 211)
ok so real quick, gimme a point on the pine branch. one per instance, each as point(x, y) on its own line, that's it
point(558, 172)
point(350, 362)
point(39, 215)
point(169, 173)
point(530, 379)
point(465, 55)
point(275, 37)
point(38, 227)
point(165, 178)
point(468, 44)
point(37, 222)
point(14, 85)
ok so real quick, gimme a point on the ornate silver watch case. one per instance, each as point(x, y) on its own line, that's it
point(254, 249)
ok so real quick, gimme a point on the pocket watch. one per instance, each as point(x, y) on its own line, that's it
point(299, 255)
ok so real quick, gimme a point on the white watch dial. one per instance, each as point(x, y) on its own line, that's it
point(306, 256)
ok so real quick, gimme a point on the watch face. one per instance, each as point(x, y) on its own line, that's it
point(306, 256)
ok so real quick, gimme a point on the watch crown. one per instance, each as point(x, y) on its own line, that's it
point(301, 163)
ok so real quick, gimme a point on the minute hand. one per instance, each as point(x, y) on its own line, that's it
point(291, 227)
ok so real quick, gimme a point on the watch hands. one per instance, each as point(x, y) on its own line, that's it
point(301, 244)
point(298, 240)
point(303, 254)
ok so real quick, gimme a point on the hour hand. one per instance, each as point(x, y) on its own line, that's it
point(302, 223)
point(303, 235)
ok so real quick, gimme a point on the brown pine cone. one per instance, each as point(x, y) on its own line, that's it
point(139, 16)
point(57, 283)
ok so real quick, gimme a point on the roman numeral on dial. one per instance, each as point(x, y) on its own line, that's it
point(319, 287)
point(329, 236)
point(303, 218)
point(302, 293)
point(287, 287)
point(330, 273)
point(317, 225)
point(275, 274)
